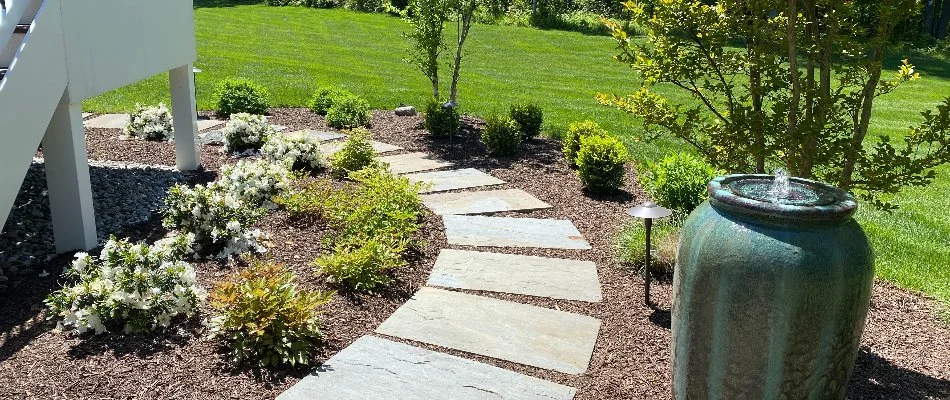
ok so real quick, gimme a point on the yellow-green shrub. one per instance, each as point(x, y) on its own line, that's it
point(572, 138)
point(600, 162)
point(357, 153)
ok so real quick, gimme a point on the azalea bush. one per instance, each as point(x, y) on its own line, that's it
point(296, 151)
point(246, 132)
point(264, 318)
point(128, 287)
point(255, 182)
point(150, 123)
point(221, 223)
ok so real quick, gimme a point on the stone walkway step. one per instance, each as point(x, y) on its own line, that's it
point(322, 136)
point(520, 333)
point(119, 121)
point(483, 202)
point(465, 230)
point(508, 273)
point(378, 147)
point(413, 162)
point(440, 181)
point(372, 368)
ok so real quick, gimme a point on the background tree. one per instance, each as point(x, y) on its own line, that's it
point(427, 20)
point(773, 90)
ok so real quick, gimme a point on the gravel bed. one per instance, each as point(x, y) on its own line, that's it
point(901, 355)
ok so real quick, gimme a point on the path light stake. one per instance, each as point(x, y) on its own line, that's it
point(648, 212)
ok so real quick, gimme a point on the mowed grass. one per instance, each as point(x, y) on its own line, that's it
point(293, 51)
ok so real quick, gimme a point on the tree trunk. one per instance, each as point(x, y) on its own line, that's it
point(755, 90)
point(796, 94)
point(862, 119)
point(435, 87)
point(534, 6)
point(942, 26)
point(928, 24)
point(465, 22)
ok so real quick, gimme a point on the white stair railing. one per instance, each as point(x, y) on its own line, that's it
point(15, 11)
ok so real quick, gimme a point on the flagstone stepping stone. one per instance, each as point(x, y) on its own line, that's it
point(374, 368)
point(204, 123)
point(440, 181)
point(506, 330)
point(322, 136)
point(413, 162)
point(468, 230)
point(86, 115)
point(108, 121)
point(509, 273)
point(483, 202)
point(378, 147)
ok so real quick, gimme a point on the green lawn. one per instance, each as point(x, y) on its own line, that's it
point(292, 51)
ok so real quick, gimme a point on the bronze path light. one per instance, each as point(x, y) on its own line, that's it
point(648, 212)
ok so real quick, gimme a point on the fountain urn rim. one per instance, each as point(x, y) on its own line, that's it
point(831, 206)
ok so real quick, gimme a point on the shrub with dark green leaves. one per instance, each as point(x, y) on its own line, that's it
point(442, 121)
point(239, 95)
point(324, 97)
point(500, 135)
point(572, 138)
point(347, 112)
point(600, 162)
point(264, 318)
point(357, 153)
point(678, 181)
point(529, 117)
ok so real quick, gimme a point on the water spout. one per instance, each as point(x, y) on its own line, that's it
point(780, 188)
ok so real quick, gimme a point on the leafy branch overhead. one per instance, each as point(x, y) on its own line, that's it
point(769, 90)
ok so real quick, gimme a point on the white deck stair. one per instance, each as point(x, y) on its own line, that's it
point(56, 53)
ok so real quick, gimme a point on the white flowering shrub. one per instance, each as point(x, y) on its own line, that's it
point(298, 151)
point(150, 123)
point(221, 224)
point(246, 132)
point(133, 287)
point(255, 182)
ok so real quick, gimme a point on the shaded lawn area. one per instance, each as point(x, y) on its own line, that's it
point(293, 51)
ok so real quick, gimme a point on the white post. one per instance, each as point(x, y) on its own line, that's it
point(67, 180)
point(185, 114)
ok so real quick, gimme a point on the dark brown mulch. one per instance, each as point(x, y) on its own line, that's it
point(903, 355)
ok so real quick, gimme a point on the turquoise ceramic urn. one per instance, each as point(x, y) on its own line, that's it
point(771, 291)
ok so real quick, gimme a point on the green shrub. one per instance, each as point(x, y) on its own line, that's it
point(442, 121)
point(678, 181)
point(500, 135)
point(529, 117)
point(264, 318)
point(572, 138)
point(324, 97)
point(357, 153)
point(362, 267)
point(308, 201)
point(600, 162)
point(383, 205)
point(239, 95)
point(664, 241)
point(347, 112)
point(364, 5)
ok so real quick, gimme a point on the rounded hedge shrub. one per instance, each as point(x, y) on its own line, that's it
point(529, 117)
point(678, 181)
point(348, 112)
point(239, 95)
point(500, 135)
point(600, 162)
point(323, 99)
point(442, 121)
point(572, 138)
point(357, 153)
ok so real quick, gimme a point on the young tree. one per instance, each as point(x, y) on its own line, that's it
point(464, 11)
point(427, 19)
point(773, 90)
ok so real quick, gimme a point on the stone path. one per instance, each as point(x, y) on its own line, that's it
point(517, 274)
point(483, 202)
point(375, 368)
point(320, 135)
point(119, 121)
point(379, 147)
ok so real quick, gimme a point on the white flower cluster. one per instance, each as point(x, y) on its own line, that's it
point(150, 123)
point(134, 286)
point(297, 151)
point(246, 132)
point(255, 182)
point(221, 223)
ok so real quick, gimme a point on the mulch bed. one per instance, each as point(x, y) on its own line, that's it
point(903, 355)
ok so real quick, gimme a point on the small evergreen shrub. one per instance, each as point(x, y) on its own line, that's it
point(239, 95)
point(150, 123)
point(264, 318)
point(600, 162)
point(363, 266)
point(357, 153)
point(324, 97)
point(299, 151)
point(572, 138)
point(529, 117)
point(255, 182)
point(442, 121)
point(221, 224)
point(348, 112)
point(245, 132)
point(678, 181)
point(500, 135)
point(364, 5)
point(128, 287)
